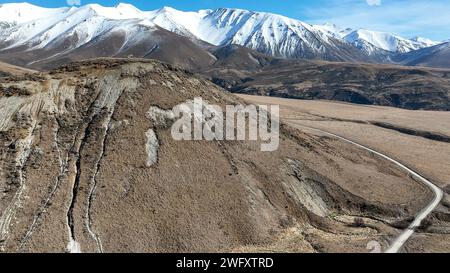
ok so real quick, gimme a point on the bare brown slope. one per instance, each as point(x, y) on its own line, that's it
point(417, 138)
point(387, 85)
point(8, 69)
point(75, 170)
point(435, 56)
point(400, 140)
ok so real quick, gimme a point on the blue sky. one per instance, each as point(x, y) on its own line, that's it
point(427, 18)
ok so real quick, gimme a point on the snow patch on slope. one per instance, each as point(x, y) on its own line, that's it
point(73, 247)
point(151, 147)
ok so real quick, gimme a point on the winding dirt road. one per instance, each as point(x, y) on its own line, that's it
point(398, 243)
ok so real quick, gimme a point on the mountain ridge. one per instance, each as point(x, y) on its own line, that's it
point(268, 33)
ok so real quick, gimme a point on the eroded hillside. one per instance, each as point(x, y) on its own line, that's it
point(86, 166)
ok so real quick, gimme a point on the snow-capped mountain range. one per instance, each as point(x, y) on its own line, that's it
point(27, 26)
point(371, 41)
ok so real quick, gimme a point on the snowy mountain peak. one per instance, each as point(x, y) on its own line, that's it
point(266, 32)
point(382, 40)
point(426, 42)
point(168, 9)
point(25, 12)
point(126, 6)
point(334, 30)
point(277, 35)
point(119, 12)
point(373, 41)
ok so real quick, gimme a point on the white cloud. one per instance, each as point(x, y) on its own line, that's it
point(73, 2)
point(373, 2)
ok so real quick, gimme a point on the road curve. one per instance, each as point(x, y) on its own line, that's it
point(398, 243)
